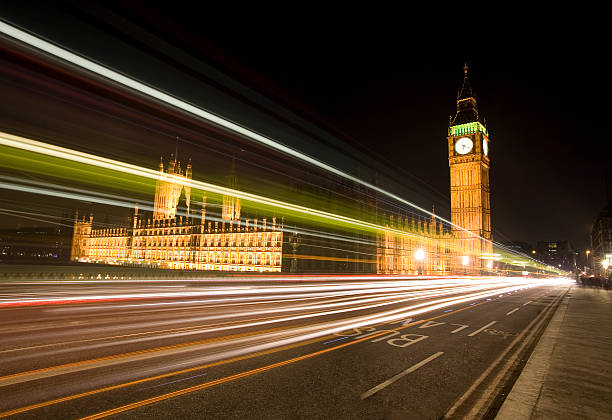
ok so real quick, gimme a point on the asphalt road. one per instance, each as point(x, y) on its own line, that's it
point(322, 347)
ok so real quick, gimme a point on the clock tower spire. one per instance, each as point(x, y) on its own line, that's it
point(467, 111)
point(469, 162)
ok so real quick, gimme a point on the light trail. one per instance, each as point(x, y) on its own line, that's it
point(291, 335)
point(348, 307)
point(338, 305)
point(196, 368)
point(156, 94)
point(46, 149)
point(142, 88)
point(138, 175)
point(346, 297)
point(262, 290)
point(352, 303)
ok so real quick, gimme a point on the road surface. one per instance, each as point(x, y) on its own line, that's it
point(295, 347)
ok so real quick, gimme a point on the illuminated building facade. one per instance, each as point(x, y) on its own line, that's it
point(179, 236)
point(168, 194)
point(469, 161)
point(423, 247)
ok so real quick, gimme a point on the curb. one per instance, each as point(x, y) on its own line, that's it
point(525, 394)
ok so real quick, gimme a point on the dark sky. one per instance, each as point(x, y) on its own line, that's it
point(389, 86)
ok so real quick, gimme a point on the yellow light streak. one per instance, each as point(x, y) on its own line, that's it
point(123, 80)
point(46, 149)
point(160, 96)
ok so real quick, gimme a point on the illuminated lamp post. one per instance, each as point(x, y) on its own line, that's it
point(588, 251)
point(465, 260)
point(419, 255)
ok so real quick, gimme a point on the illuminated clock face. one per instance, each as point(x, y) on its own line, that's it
point(464, 145)
point(485, 147)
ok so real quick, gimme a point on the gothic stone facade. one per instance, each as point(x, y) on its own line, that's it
point(425, 246)
point(173, 240)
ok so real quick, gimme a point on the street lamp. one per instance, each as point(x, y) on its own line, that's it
point(588, 251)
point(419, 255)
point(465, 260)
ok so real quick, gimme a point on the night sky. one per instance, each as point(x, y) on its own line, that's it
point(389, 86)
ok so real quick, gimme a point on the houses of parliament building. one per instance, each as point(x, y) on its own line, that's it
point(180, 234)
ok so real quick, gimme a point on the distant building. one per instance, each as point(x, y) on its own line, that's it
point(558, 254)
point(601, 240)
point(39, 244)
point(520, 247)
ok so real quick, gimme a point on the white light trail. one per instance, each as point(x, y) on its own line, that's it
point(366, 303)
point(362, 287)
point(142, 88)
point(121, 79)
point(101, 162)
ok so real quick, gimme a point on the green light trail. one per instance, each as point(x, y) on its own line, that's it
point(52, 161)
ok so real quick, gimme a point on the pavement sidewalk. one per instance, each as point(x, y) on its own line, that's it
point(569, 373)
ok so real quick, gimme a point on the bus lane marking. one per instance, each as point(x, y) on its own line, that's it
point(400, 375)
point(430, 324)
point(404, 337)
point(404, 340)
point(363, 332)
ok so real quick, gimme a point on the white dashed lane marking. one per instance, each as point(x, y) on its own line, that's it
point(400, 375)
point(481, 329)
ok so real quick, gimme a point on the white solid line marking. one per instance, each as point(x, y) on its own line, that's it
point(399, 375)
point(481, 329)
point(512, 311)
point(527, 303)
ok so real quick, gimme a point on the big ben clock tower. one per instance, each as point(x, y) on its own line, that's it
point(468, 158)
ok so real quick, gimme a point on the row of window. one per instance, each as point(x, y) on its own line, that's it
point(243, 258)
point(216, 240)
